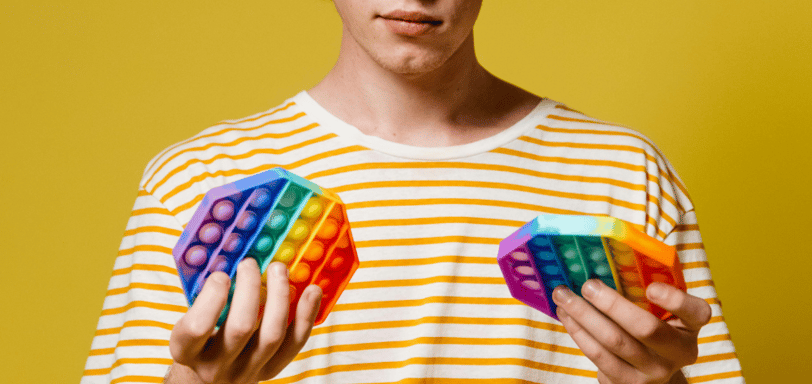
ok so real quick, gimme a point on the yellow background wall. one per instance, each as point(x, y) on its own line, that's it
point(90, 91)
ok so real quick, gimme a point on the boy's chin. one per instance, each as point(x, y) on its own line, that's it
point(413, 68)
point(412, 65)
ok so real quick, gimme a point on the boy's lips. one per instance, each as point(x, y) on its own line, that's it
point(410, 23)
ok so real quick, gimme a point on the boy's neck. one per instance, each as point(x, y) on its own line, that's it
point(457, 103)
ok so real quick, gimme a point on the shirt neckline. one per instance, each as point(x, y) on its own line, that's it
point(350, 133)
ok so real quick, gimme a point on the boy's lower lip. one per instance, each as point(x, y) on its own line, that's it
point(409, 28)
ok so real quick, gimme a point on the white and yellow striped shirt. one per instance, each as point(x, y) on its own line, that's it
point(428, 302)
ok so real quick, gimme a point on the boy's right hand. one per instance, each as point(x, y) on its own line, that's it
point(243, 350)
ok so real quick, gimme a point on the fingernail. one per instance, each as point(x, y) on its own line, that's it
point(279, 269)
point(590, 289)
point(656, 292)
point(562, 295)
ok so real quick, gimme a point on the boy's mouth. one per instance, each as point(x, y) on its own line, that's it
point(410, 23)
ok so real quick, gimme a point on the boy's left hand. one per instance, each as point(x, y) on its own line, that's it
point(628, 344)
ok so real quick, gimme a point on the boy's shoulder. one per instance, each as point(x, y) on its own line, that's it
point(179, 173)
point(226, 137)
point(582, 139)
point(564, 123)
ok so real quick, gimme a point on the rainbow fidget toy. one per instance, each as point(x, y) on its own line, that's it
point(553, 250)
point(272, 216)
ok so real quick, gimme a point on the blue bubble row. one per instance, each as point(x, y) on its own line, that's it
point(548, 265)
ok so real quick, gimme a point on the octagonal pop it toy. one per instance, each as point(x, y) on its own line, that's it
point(271, 216)
point(553, 250)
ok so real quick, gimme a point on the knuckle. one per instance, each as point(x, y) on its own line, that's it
point(598, 355)
point(705, 313)
point(613, 303)
point(194, 327)
point(275, 336)
point(692, 354)
point(572, 327)
point(176, 351)
point(299, 339)
point(299, 343)
point(648, 329)
point(616, 341)
point(207, 375)
point(273, 332)
point(660, 373)
point(269, 344)
point(241, 329)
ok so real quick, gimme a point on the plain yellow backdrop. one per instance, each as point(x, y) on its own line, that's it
point(91, 90)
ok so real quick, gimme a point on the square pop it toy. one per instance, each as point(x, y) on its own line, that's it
point(272, 216)
point(552, 250)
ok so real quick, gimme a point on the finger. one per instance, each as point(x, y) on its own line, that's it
point(242, 316)
point(306, 311)
point(612, 338)
point(190, 334)
point(607, 362)
point(693, 311)
point(662, 338)
point(275, 317)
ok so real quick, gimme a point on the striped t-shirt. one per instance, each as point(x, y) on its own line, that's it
point(428, 302)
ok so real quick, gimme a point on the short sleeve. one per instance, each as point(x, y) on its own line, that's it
point(144, 300)
point(717, 362)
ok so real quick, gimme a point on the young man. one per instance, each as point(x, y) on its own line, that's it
point(437, 160)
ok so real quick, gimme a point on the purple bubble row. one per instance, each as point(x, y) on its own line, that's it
point(211, 232)
point(524, 269)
